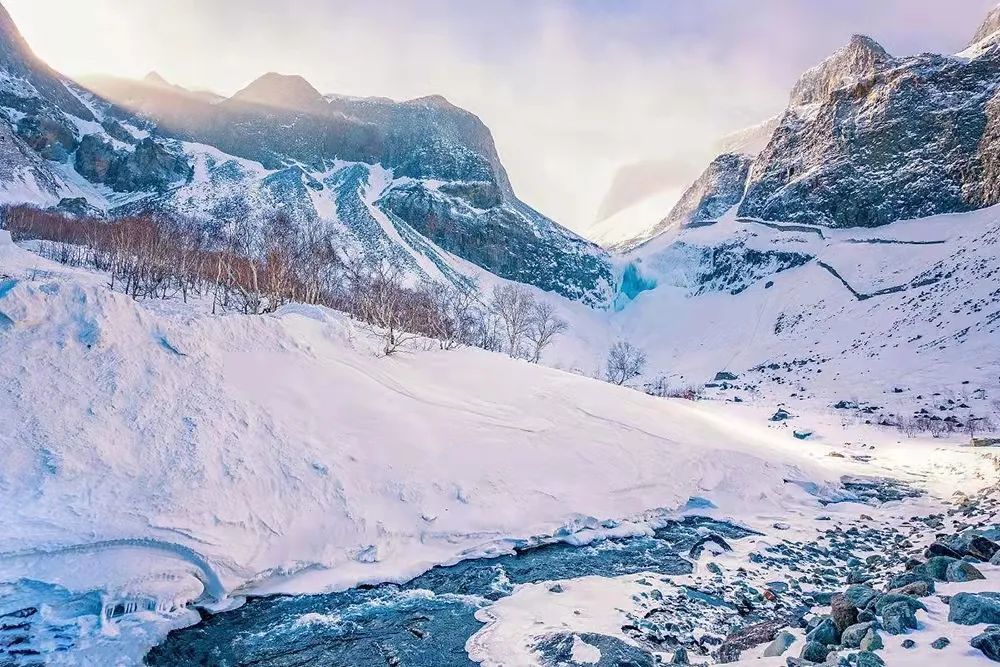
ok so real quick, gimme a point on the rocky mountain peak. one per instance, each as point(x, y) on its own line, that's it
point(860, 58)
point(154, 79)
point(280, 91)
point(990, 28)
point(17, 58)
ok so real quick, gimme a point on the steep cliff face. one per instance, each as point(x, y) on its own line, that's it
point(868, 139)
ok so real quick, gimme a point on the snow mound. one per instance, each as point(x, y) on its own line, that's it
point(279, 453)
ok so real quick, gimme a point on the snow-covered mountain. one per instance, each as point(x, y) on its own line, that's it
point(866, 139)
point(859, 242)
point(418, 182)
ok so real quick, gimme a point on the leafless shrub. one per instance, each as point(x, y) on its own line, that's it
point(543, 326)
point(625, 361)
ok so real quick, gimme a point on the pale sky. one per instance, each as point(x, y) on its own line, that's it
point(572, 89)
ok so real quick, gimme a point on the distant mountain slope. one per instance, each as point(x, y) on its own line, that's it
point(418, 182)
point(632, 210)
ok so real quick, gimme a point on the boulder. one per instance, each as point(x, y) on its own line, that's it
point(843, 612)
point(960, 571)
point(989, 644)
point(940, 643)
point(814, 652)
point(938, 549)
point(872, 641)
point(825, 633)
point(917, 589)
point(974, 608)
point(937, 567)
point(915, 575)
point(869, 659)
point(781, 415)
point(898, 617)
point(982, 548)
point(892, 598)
point(860, 595)
point(780, 644)
point(852, 636)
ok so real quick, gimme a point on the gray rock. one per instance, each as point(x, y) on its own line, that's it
point(780, 644)
point(825, 633)
point(860, 595)
point(989, 644)
point(892, 598)
point(908, 644)
point(974, 608)
point(937, 567)
point(940, 643)
point(814, 652)
point(960, 571)
point(872, 641)
point(917, 589)
point(852, 636)
point(869, 659)
point(898, 617)
point(913, 576)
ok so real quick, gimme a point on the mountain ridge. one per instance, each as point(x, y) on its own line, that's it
point(419, 182)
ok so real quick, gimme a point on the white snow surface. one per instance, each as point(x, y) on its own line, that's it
point(280, 454)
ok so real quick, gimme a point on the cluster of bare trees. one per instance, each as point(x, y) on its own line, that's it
point(516, 323)
point(254, 267)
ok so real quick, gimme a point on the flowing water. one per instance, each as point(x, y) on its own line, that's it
point(423, 623)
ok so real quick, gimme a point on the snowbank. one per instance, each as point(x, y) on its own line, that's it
point(279, 453)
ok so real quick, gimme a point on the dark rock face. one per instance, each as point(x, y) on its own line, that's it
point(868, 139)
point(512, 241)
point(149, 167)
point(51, 136)
point(95, 159)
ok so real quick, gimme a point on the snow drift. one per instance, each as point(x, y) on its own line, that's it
point(251, 449)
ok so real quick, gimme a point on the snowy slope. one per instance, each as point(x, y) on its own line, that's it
point(911, 322)
point(168, 458)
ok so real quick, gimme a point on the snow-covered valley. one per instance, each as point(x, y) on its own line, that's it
point(291, 378)
point(248, 455)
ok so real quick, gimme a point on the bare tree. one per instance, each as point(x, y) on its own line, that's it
point(513, 305)
point(543, 327)
point(625, 361)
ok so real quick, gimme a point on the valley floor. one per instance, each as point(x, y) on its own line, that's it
point(160, 460)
